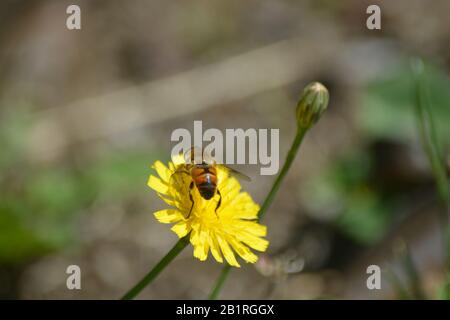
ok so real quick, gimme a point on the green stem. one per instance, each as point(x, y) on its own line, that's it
point(287, 164)
point(220, 281)
point(431, 146)
point(428, 135)
point(177, 248)
point(399, 289)
point(301, 131)
point(413, 275)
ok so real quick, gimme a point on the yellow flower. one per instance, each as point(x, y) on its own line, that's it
point(232, 227)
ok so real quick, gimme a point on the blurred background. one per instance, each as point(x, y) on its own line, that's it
point(84, 114)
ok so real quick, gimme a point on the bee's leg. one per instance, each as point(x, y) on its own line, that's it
point(218, 202)
point(191, 186)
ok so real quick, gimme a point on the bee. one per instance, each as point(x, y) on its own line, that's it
point(202, 169)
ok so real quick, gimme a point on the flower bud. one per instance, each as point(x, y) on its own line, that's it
point(312, 104)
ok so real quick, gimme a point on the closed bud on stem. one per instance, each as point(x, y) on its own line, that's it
point(312, 104)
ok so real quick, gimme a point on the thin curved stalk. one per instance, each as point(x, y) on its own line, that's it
point(177, 248)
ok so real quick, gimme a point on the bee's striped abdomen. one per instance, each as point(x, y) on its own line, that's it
point(205, 179)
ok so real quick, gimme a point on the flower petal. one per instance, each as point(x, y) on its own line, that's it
point(182, 228)
point(252, 227)
point(178, 159)
point(242, 250)
point(253, 241)
point(162, 171)
point(158, 185)
point(169, 201)
point(201, 245)
point(168, 215)
point(227, 252)
point(215, 248)
point(240, 207)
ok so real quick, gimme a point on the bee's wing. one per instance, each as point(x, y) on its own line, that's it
point(207, 157)
point(180, 176)
point(236, 173)
point(197, 155)
point(193, 155)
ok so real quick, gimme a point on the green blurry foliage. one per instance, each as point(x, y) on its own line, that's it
point(120, 175)
point(443, 292)
point(12, 135)
point(40, 207)
point(387, 108)
point(343, 189)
